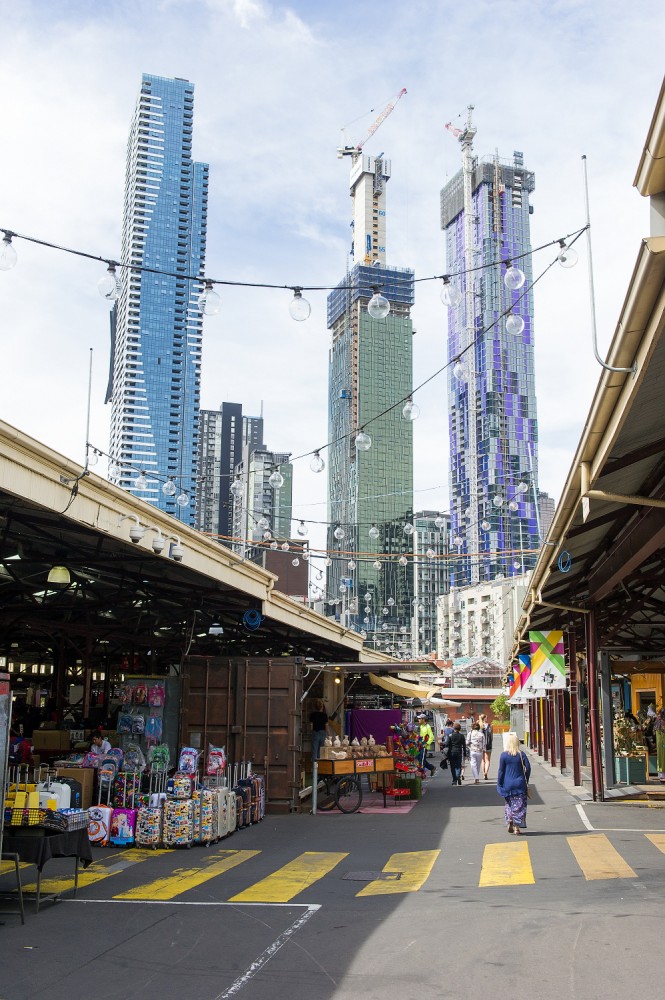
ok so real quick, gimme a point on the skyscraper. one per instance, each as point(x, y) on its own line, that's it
point(156, 322)
point(262, 506)
point(222, 435)
point(492, 402)
point(370, 371)
point(431, 576)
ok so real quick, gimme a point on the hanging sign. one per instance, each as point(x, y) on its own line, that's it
point(548, 662)
point(515, 690)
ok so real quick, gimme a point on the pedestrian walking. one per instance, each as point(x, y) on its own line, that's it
point(319, 721)
point(427, 737)
point(456, 745)
point(476, 747)
point(513, 782)
point(489, 737)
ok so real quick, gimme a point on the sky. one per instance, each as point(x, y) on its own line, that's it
point(275, 84)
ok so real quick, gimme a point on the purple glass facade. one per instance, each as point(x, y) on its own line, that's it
point(491, 387)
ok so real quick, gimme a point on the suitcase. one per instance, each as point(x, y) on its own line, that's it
point(126, 786)
point(243, 796)
point(123, 825)
point(178, 823)
point(179, 786)
point(204, 832)
point(150, 816)
point(99, 825)
point(258, 798)
point(231, 814)
point(76, 796)
point(220, 812)
point(54, 790)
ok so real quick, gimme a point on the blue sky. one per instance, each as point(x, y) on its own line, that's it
point(275, 83)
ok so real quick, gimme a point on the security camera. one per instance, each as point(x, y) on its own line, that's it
point(136, 533)
point(177, 553)
point(158, 544)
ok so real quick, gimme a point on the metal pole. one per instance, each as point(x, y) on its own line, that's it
point(545, 711)
point(574, 706)
point(539, 725)
point(560, 697)
point(594, 718)
point(552, 721)
point(315, 785)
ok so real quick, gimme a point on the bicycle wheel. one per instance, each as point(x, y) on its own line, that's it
point(349, 795)
point(325, 799)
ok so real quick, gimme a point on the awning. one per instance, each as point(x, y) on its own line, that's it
point(406, 690)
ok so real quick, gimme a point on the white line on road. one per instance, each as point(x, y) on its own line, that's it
point(608, 829)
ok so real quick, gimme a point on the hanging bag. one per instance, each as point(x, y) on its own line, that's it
point(529, 788)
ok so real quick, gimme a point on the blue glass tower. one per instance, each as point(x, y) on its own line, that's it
point(155, 388)
point(491, 387)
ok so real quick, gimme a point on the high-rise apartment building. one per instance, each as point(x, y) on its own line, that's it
point(431, 577)
point(262, 507)
point(492, 402)
point(370, 371)
point(547, 507)
point(222, 435)
point(157, 325)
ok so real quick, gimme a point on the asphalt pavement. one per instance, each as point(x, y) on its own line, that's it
point(437, 900)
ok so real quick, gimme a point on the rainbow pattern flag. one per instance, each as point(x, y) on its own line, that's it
point(515, 686)
point(548, 661)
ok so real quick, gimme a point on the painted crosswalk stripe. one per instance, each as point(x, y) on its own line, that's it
point(506, 864)
point(9, 866)
point(97, 871)
point(281, 886)
point(597, 858)
point(658, 840)
point(415, 868)
point(183, 879)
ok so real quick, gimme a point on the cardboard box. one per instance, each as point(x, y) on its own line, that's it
point(86, 775)
point(50, 739)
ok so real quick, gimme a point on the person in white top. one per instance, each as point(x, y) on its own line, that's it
point(99, 745)
point(475, 741)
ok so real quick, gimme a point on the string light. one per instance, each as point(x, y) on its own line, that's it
point(110, 286)
point(209, 301)
point(317, 464)
point(451, 296)
point(276, 480)
point(168, 489)
point(514, 324)
point(410, 410)
point(378, 306)
point(514, 277)
point(299, 309)
point(568, 255)
point(363, 441)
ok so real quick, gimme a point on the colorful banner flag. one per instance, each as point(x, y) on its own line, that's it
point(528, 690)
point(515, 685)
point(548, 662)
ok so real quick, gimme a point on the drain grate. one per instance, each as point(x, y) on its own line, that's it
point(373, 876)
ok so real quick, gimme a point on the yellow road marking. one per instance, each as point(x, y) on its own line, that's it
point(9, 867)
point(658, 839)
point(98, 871)
point(506, 864)
point(597, 858)
point(287, 882)
point(415, 867)
point(183, 879)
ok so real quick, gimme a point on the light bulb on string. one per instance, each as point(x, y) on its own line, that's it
point(373, 532)
point(378, 306)
point(273, 545)
point(114, 470)
point(458, 540)
point(567, 256)
point(209, 301)
point(363, 634)
point(110, 287)
point(305, 554)
point(522, 487)
point(327, 561)
point(408, 528)
point(295, 562)
point(390, 602)
point(430, 553)
point(366, 620)
point(367, 609)
point(485, 525)
point(169, 488)
point(377, 564)
point(384, 627)
point(351, 565)
point(276, 480)
point(498, 500)
point(317, 464)
point(301, 529)
point(299, 308)
point(363, 441)
point(514, 324)
point(439, 522)
point(514, 277)
point(267, 535)
point(403, 561)
point(236, 488)
point(410, 410)
point(339, 533)
point(513, 505)
point(182, 499)
point(459, 372)
point(451, 296)
point(403, 629)
point(8, 255)
point(93, 457)
point(342, 588)
point(517, 564)
point(141, 483)
point(285, 546)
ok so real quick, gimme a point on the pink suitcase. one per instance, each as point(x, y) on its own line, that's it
point(123, 825)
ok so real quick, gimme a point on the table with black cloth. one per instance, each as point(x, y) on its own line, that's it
point(39, 845)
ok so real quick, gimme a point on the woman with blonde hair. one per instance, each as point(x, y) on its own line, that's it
point(512, 783)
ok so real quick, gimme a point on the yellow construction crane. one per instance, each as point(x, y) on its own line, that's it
point(355, 151)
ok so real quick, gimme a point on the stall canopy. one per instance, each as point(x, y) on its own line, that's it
point(406, 690)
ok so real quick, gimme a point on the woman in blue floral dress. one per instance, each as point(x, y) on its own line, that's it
point(512, 783)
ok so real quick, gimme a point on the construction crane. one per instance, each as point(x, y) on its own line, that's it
point(355, 151)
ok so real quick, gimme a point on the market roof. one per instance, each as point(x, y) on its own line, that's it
point(606, 546)
point(124, 598)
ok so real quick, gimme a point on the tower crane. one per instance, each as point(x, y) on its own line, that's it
point(355, 151)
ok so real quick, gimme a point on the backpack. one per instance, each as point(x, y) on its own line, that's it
point(126, 694)
point(159, 757)
point(125, 722)
point(138, 725)
point(156, 696)
point(153, 729)
point(134, 759)
point(141, 694)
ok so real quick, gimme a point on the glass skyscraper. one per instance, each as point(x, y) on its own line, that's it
point(492, 402)
point(370, 371)
point(156, 324)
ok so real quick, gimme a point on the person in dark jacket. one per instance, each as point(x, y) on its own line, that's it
point(319, 720)
point(512, 783)
point(487, 752)
point(456, 745)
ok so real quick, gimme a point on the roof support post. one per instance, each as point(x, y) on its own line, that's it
point(574, 705)
point(608, 717)
point(594, 715)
